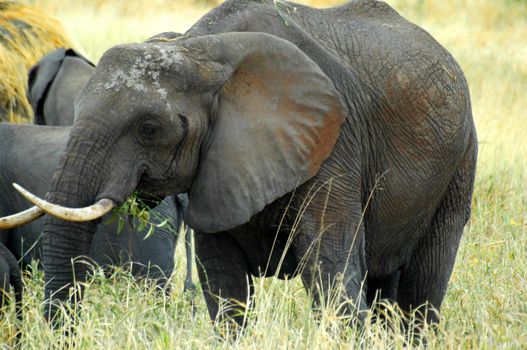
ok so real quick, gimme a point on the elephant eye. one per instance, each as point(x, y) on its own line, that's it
point(149, 130)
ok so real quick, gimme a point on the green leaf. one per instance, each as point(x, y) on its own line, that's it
point(163, 224)
point(120, 225)
point(150, 231)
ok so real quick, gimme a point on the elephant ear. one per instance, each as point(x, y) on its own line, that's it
point(277, 119)
point(42, 75)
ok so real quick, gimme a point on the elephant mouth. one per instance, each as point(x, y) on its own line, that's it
point(149, 200)
point(151, 189)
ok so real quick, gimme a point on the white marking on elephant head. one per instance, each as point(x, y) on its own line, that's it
point(145, 69)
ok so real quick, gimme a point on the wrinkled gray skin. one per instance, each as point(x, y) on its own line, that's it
point(351, 119)
point(28, 156)
point(10, 276)
point(53, 84)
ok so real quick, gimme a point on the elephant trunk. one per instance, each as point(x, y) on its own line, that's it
point(63, 243)
point(75, 184)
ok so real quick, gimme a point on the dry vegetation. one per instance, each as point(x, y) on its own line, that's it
point(26, 35)
point(486, 304)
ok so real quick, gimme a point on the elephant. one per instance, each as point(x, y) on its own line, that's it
point(335, 144)
point(28, 155)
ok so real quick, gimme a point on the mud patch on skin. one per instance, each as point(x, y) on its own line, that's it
point(146, 70)
point(132, 80)
point(163, 93)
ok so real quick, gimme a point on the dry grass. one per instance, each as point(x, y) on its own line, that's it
point(27, 35)
point(486, 304)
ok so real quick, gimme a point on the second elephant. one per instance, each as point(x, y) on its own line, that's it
point(29, 155)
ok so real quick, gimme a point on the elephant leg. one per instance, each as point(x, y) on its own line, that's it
point(330, 250)
point(424, 279)
point(224, 275)
point(15, 276)
point(5, 282)
point(10, 275)
point(332, 263)
point(384, 288)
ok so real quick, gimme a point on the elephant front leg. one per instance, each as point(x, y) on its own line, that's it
point(330, 249)
point(224, 275)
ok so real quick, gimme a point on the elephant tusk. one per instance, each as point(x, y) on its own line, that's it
point(92, 212)
point(18, 219)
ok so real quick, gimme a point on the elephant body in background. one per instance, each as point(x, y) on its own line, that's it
point(53, 85)
point(28, 155)
point(337, 144)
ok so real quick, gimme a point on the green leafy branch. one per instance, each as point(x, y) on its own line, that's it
point(283, 8)
point(135, 208)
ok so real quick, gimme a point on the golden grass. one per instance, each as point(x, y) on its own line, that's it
point(486, 304)
point(13, 101)
point(27, 35)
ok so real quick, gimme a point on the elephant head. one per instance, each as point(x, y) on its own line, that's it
point(54, 82)
point(237, 120)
